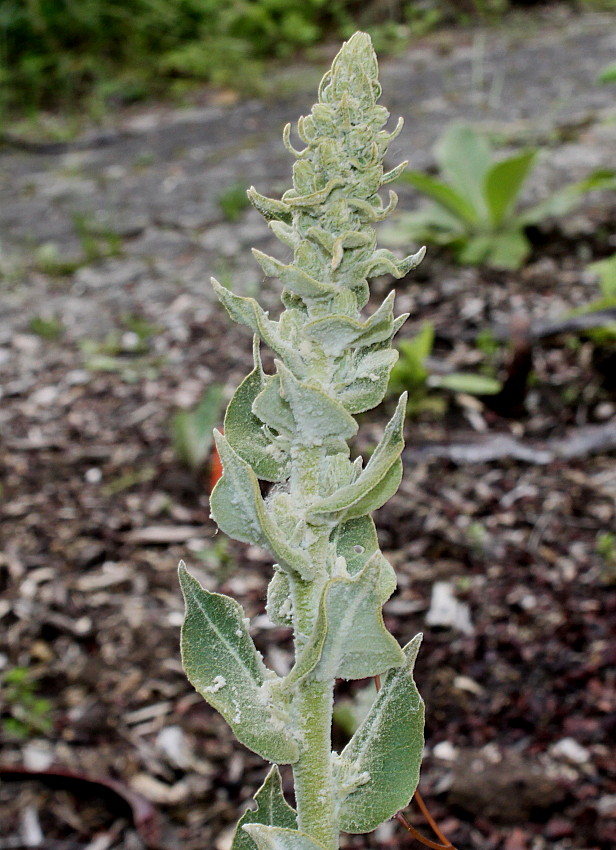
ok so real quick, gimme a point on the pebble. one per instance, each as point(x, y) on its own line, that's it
point(569, 750)
point(37, 756)
point(445, 751)
point(172, 742)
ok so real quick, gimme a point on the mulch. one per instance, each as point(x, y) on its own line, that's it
point(97, 511)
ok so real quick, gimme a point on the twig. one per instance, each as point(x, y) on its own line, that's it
point(400, 817)
point(433, 824)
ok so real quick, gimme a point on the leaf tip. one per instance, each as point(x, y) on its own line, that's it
point(185, 578)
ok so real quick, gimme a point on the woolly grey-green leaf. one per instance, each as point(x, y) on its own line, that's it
point(376, 473)
point(277, 838)
point(337, 333)
point(272, 810)
point(357, 644)
point(239, 510)
point(371, 369)
point(279, 607)
point(272, 409)
point(316, 415)
point(247, 312)
point(222, 663)
point(264, 452)
point(385, 750)
point(356, 542)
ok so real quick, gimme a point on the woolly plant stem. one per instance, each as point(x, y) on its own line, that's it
point(291, 428)
point(312, 773)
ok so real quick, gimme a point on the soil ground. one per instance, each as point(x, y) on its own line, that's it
point(109, 326)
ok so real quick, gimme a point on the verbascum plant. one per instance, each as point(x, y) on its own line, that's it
point(291, 429)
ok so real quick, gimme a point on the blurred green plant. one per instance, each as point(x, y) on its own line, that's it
point(606, 549)
point(608, 74)
point(26, 712)
point(411, 373)
point(350, 712)
point(125, 350)
point(49, 328)
point(233, 201)
point(606, 273)
point(102, 53)
point(475, 203)
point(192, 429)
point(217, 558)
point(52, 52)
point(606, 270)
point(97, 243)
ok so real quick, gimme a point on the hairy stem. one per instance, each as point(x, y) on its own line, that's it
point(314, 784)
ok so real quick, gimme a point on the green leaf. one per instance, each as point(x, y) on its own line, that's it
point(561, 202)
point(384, 262)
point(357, 644)
point(379, 494)
point(293, 278)
point(606, 269)
point(223, 665)
point(432, 223)
point(368, 388)
point(608, 74)
point(385, 751)
point(270, 209)
point(465, 382)
point(357, 542)
point(472, 251)
point(247, 312)
point(337, 333)
point(192, 429)
point(276, 838)
point(235, 502)
point(506, 250)
point(454, 203)
point(379, 466)
point(272, 810)
point(504, 181)
point(312, 199)
point(238, 509)
point(464, 156)
point(245, 432)
point(271, 408)
point(278, 605)
point(317, 416)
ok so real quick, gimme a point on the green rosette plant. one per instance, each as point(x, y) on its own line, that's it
point(291, 429)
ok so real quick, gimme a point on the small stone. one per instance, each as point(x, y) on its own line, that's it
point(604, 411)
point(558, 827)
point(93, 475)
point(37, 757)
point(516, 840)
point(446, 611)
point(606, 806)
point(445, 750)
point(172, 742)
point(569, 750)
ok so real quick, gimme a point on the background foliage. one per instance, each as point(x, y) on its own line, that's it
point(55, 52)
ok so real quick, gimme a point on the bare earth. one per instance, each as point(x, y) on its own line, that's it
point(114, 236)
